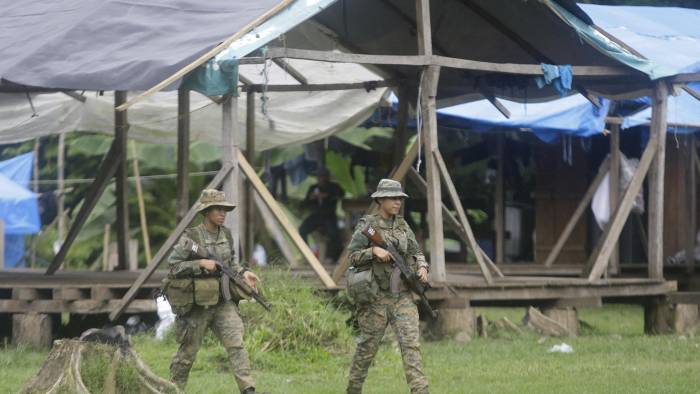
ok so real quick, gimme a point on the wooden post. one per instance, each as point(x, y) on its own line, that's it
point(401, 132)
point(499, 209)
point(229, 110)
point(580, 209)
point(120, 137)
point(165, 249)
point(248, 214)
point(142, 206)
point(659, 108)
point(275, 232)
point(691, 203)
point(183, 152)
point(105, 247)
point(597, 263)
point(614, 267)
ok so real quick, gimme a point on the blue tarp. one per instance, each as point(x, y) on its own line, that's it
point(683, 115)
point(573, 115)
point(19, 208)
point(668, 36)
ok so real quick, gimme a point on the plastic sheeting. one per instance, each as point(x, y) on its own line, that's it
point(683, 115)
point(573, 115)
point(19, 208)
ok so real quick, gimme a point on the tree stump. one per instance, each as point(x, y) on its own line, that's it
point(75, 366)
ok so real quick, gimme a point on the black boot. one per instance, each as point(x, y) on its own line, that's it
point(251, 390)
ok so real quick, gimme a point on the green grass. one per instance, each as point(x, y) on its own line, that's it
point(309, 351)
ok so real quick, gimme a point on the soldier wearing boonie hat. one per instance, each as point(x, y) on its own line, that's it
point(386, 300)
point(215, 302)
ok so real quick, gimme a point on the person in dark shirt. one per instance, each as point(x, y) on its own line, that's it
point(322, 200)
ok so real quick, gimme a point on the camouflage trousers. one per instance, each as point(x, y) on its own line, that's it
point(226, 323)
point(402, 314)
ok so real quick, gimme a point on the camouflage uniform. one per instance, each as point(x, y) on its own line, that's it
point(397, 309)
point(223, 318)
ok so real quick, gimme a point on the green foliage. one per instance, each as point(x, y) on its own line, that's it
point(339, 166)
point(366, 138)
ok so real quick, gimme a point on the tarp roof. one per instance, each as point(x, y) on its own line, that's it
point(121, 45)
point(683, 115)
point(112, 44)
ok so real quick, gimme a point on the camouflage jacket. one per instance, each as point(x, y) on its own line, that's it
point(396, 231)
point(183, 264)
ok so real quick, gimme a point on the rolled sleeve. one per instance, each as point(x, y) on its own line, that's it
point(181, 263)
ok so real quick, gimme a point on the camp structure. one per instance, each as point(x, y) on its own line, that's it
point(434, 53)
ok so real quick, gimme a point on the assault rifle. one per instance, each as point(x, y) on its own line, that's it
point(235, 277)
point(411, 279)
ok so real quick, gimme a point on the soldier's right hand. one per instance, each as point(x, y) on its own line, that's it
point(209, 265)
point(381, 254)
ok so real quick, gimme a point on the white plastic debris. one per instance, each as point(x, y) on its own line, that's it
point(166, 317)
point(561, 348)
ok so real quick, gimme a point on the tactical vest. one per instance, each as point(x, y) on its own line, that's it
point(204, 290)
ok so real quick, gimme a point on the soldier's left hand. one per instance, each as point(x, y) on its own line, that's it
point(423, 274)
point(251, 279)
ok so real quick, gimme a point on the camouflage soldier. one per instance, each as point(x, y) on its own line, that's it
point(201, 298)
point(380, 296)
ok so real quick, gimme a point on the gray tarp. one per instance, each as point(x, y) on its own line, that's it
point(113, 45)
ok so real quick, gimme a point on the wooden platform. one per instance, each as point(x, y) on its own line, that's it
point(87, 292)
point(79, 292)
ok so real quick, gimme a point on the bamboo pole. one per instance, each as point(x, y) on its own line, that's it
point(142, 205)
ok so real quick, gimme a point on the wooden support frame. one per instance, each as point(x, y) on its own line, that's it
point(121, 128)
point(183, 152)
point(275, 232)
point(229, 130)
point(166, 247)
point(435, 60)
point(401, 132)
point(691, 202)
point(293, 72)
point(658, 126)
point(367, 85)
point(451, 220)
point(614, 267)
point(578, 213)
point(291, 231)
point(142, 207)
point(462, 216)
point(599, 259)
point(105, 172)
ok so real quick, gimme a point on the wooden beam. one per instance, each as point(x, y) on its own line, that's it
point(60, 174)
point(248, 230)
point(499, 202)
point(687, 77)
point(694, 93)
point(368, 85)
point(205, 57)
point(279, 214)
point(657, 130)
point(430, 141)
point(105, 172)
point(451, 220)
point(183, 153)
point(397, 174)
point(614, 267)
point(578, 213)
point(165, 248)
point(691, 202)
point(489, 95)
point(427, 60)
point(275, 232)
point(599, 259)
point(423, 27)
point(121, 128)
point(75, 95)
point(461, 215)
point(294, 73)
point(229, 140)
